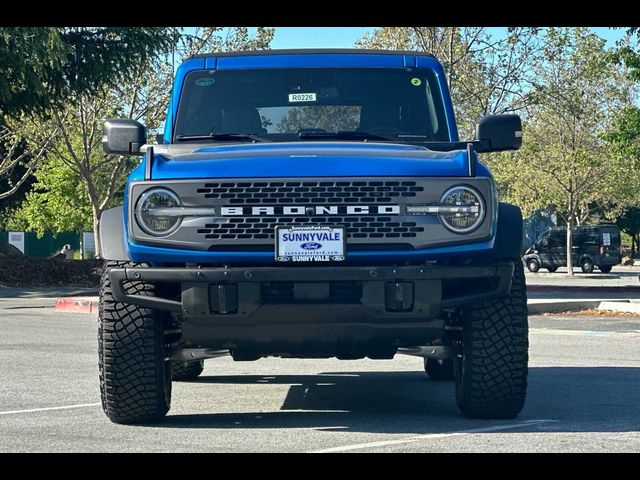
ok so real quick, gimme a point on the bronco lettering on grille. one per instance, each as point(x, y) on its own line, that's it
point(311, 210)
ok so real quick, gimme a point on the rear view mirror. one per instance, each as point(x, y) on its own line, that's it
point(497, 133)
point(123, 137)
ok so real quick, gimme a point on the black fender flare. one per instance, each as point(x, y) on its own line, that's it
point(112, 238)
point(510, 231)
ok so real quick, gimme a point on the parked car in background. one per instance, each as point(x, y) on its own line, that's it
point(593, 246)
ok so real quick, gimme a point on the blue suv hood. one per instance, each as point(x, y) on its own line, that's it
point(308, 159)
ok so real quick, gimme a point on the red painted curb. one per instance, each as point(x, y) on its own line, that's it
point(77, 304)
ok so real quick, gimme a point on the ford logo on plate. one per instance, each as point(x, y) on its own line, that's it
point(311, 246)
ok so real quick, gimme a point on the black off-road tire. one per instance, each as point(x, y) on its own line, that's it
point(440, 370)
point(533, 265)
point(491, 372)
point(135, 379)
point(187, 371)
point(552, 269)
point(606, 268)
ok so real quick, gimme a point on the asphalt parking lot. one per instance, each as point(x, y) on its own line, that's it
point(583, 396)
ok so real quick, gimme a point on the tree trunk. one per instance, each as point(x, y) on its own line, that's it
point(569, 246)
point(96, 230)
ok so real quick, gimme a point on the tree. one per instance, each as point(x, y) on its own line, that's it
point(58, 202)
point(564, 163)
point(42, 67)
point(143, 96)
point(485, 75)
point(624, 142)
point(22, 148)
point(629, 222)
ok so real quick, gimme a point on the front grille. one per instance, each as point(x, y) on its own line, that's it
point(257, 228)
point(310, 192)
point(372, 210)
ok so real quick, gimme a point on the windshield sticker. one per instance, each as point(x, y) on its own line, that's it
point(205, 82)
point(302, 97)
point(416, 82)
point(606, 239)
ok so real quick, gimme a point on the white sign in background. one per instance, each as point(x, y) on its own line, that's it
point(17, 240)
point(89, 244)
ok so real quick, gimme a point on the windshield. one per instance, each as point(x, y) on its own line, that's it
point(285, 104)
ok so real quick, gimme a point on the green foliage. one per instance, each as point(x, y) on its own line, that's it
point(58, 202)
point(565, 164)
point(41, 67)
point(76, 181)
point(627, 53)
point(623, 143)
point(629, 223)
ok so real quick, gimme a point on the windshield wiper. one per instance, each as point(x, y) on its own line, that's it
point(223, 136)
point(346, 135)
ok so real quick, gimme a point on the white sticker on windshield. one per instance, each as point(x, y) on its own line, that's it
point(302, 97)
point(606, 239)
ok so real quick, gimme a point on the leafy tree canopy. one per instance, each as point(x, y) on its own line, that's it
point(40, 67)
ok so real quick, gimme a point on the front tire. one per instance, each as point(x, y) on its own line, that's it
point(135, 379)
point(533, 265)
point(491, 370)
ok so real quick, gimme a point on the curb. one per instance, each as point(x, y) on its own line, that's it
point(77, 304)
point(627, 307)
point(604, 289)
point(536, 308)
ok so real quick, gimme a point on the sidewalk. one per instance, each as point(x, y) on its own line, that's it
point(557, 292)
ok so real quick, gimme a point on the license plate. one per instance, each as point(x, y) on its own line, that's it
point(310, 244)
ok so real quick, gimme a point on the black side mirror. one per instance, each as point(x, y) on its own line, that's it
point(123, 137)
point(497, 133)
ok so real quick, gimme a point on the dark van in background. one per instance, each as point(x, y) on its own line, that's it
point(593, 246)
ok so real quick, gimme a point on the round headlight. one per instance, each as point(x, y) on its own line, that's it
point(461, 209)
point(154, 211)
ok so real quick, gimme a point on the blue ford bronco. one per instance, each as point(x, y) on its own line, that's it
point(312, 204)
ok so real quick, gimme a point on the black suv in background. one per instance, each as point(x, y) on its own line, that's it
point(593, 246)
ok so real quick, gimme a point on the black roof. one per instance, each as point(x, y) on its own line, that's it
point(305, 51)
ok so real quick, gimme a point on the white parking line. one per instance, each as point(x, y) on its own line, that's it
point(430, 436)
point(66, 407)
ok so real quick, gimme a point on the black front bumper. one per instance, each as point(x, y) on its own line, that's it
point(316, 294)
point(328, 311)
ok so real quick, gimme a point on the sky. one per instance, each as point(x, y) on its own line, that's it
point(345, 37)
